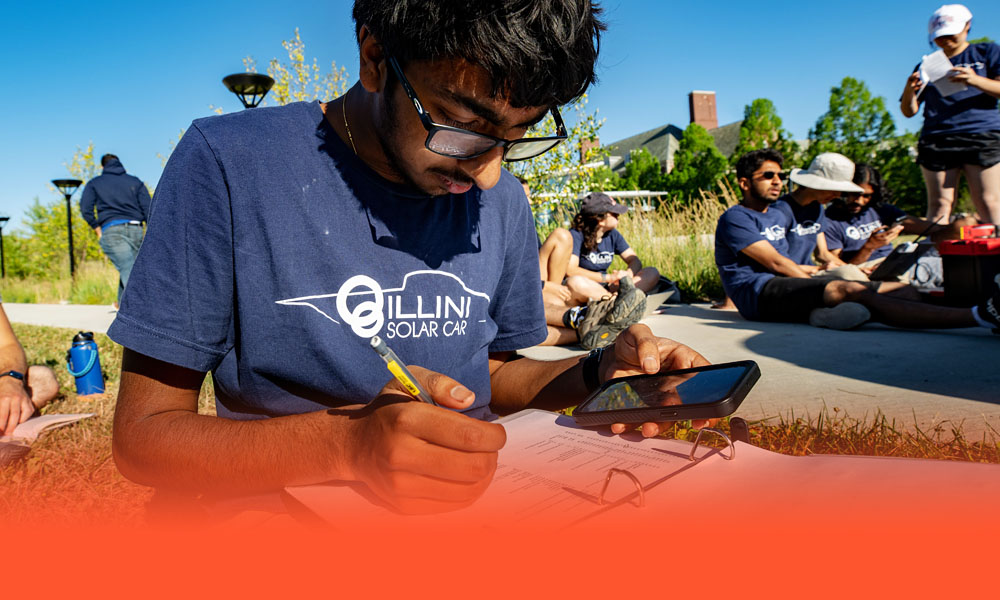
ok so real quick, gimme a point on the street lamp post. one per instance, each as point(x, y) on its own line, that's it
point(250, 88)
point(67, 187)
point(3, 265)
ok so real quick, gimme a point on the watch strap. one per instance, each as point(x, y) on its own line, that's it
point(591, 368)
point(15, 374)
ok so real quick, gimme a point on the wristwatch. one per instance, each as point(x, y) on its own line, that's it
point(15, 374)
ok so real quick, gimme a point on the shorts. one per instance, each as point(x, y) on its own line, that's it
point(791, 299)
point(945, 151)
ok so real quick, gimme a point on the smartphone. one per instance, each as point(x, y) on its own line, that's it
point(899, 220)
point(700, 393)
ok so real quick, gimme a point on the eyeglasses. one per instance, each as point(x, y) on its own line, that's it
point(856, 195)
point(455, 142)
point(769, 175)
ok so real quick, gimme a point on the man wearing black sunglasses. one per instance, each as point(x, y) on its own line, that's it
point(283, 239)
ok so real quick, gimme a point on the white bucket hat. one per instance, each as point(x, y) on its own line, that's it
point(828, 172)
point(950, 19)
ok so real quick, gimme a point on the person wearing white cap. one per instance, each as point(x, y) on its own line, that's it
point(827, 178)
point(961, 131)
point(766, 285)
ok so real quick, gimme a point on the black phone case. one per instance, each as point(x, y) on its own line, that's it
point(679, 412)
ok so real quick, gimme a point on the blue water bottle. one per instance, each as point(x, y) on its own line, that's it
point(84, 364)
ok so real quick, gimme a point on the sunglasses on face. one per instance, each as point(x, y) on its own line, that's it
point(769, 175)
point(455, 142)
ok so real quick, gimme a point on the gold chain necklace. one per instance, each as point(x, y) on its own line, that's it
point(350, 137)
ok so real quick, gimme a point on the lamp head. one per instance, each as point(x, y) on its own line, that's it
point(67, 186)
point(250, 88)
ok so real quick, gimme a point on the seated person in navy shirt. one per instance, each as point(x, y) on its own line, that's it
point(384, 212)
point(596, 241)
point(751, 253)
point(828, 176)
point(862, 225)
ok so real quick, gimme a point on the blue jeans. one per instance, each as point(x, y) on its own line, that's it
point(121, 245)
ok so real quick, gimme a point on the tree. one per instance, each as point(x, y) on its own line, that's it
point(643, 172)
point(761, 128)
point(855, 124)
point(698, 164)
point(299, 80)
point(896, 161)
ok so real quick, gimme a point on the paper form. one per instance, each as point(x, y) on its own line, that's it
point(935, 68)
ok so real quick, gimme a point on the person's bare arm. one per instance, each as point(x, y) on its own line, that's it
point(879, 238)
point(909, 103)
point(772, 260)
point(825, 257)
point(632, 260)
point(15, 403)
point(417, 457)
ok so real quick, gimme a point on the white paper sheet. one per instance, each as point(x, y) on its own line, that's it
point(935, 68)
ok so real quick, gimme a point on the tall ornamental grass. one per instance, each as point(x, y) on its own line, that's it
point(96, 282)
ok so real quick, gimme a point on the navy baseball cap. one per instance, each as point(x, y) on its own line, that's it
point(597, 203)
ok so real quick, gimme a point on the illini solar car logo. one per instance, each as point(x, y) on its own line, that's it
point(428, 304)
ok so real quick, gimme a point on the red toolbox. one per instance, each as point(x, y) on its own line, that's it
point(969, 268)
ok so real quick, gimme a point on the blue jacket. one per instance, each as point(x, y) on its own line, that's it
point(116, 195)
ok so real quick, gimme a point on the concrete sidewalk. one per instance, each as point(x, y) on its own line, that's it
point(921, 378)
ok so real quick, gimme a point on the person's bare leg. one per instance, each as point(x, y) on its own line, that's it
point(984, 187)
point(553, 256)
point(585, 289)
point(897, 289)
point(647, 279)
point(725, 304)
point(941, 186)
point(898, 312)
point(42, 385)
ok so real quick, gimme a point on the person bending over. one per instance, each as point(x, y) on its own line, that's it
point(384, 212)
point(751, 253)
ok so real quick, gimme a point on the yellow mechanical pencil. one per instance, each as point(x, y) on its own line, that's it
point(399, 370)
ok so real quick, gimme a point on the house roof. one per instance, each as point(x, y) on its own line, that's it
point(663, 141)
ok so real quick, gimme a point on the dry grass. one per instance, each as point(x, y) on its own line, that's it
point(96, 282)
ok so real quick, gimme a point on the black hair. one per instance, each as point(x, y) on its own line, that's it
point(536, 52)
point(588, 226)
point(107, 158)
point(751, 161)
point(865, 173)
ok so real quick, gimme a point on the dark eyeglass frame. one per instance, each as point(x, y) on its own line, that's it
point(433, 128)
point(858, 195)
point(770, 175)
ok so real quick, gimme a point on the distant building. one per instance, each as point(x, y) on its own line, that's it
point(662, 141)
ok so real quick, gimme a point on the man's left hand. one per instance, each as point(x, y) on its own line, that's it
point(638, 352)
point(15, 404)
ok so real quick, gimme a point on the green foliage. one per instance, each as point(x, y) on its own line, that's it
point(698, 165)
point(761, 128)
point(300, 80)
point(855, 123)
point(643, 172)
point(896, 161)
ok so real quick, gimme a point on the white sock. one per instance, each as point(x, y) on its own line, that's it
point(982, 322)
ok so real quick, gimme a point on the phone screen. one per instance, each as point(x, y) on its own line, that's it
point(666, 389)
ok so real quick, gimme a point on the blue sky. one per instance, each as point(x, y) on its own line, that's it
point(129, 76)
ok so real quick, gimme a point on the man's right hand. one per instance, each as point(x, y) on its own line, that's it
point(97, 230)
point(421, 458)
point(914, 82)
point(15, 404)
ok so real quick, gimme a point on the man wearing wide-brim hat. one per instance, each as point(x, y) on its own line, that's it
point(827, 178)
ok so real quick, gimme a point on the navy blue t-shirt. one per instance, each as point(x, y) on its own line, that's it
point(850, 233)
point(802, 226)
point(600, 258)
point(273, 254)
point(971, 111)
point(742, 277)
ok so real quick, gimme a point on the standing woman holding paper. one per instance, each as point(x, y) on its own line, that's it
point(961, 131)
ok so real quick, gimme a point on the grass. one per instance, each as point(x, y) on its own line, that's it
point(96, 282)
point(70, 475)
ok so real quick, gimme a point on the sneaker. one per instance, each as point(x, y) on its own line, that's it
point(846, 315)
point(609, 316)
point(989, 310)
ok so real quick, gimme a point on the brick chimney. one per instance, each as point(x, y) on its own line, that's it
point(586, 146)
point(703, 109)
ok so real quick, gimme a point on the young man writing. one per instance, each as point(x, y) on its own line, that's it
point(384, 212)
point(751, 253)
